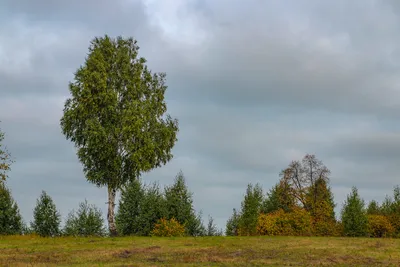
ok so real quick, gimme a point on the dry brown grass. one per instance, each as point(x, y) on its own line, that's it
point(210, 251)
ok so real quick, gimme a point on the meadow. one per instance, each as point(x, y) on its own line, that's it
point(201, 251)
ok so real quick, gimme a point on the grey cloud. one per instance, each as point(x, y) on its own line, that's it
point(44, 55)
point(127, 15)
point(41, 143)
point(379, 147)
point(258, 142)
point(268, 61)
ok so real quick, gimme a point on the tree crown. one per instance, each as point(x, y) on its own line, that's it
point(116, 115)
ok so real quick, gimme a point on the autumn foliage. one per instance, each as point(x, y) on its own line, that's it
point(168, 228)
point(379, 226)
point(302, 204)
point(295, 223)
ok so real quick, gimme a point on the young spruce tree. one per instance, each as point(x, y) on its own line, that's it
point(130, 208)
point(140, 208)
point(212, 229)
point(251, 208)
point(46, 218)
point(232, 224)
point(87, 221)
point(279, 197)
point(179, 205)
point(10, 218)
point(153, 208)
point(319, 202)
point(373, 208)
point(354, 215)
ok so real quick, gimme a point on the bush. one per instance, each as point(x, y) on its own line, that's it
point(339, 229)
point(271, 224)
point(326, 228)
point(394, 220)
point(46, 218)
point(168, 228)
point(379, 226)
point(300, 221)
point(87, 221)
point(295, 223)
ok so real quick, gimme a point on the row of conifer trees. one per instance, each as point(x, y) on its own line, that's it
point(143, 210)
point(301, 203)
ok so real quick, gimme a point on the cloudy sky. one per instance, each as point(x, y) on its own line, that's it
point(254, 85)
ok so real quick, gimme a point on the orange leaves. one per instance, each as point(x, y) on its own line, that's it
point(295, 223)
point(379, 226)
point(168, 228)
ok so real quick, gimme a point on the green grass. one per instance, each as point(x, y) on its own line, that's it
point(207, 251)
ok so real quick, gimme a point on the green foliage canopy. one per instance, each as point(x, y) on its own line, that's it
point(116, 114)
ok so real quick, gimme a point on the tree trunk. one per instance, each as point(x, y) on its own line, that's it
point(110, 215)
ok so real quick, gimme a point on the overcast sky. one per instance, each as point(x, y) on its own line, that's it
point(254, 84)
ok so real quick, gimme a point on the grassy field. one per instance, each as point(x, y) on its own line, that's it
point(208, 251)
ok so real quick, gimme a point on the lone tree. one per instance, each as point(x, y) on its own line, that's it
point(116, 117)
point(5, 159)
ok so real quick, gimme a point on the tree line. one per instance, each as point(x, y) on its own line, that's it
point(302, 204)
point(143, 210)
